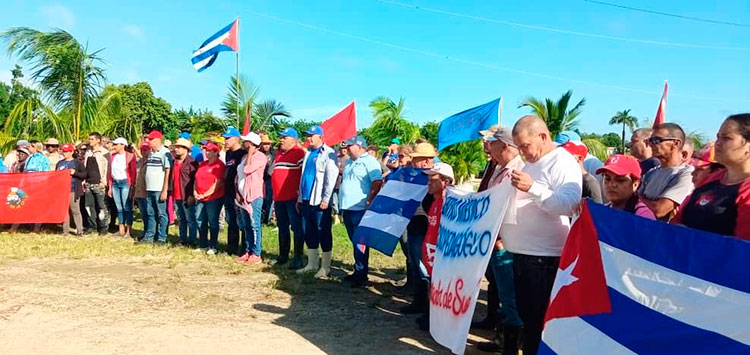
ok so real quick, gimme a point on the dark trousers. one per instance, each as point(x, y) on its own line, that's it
point(533, 278)
point(493, 303)
point(267, 202)
point(288, 218)
point(317, 227)
point(233, 227)
point(361, 251)
point(96, 208)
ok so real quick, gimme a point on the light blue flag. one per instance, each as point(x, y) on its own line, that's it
point(465, 126)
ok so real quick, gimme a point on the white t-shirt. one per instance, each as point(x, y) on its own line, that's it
point(543, 222)
point(119, 167)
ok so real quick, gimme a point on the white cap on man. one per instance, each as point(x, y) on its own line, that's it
point(121, 140)
point(443, 170)
point(252, 137)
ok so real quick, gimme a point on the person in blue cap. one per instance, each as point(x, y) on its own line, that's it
point(360, 182)
point(234, 155)
point(590, 163)
point(319, 174)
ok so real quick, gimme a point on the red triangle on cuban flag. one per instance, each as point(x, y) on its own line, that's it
point(232, 39)
point(580, 287)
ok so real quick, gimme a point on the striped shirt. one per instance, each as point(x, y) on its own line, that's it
point(286, 174)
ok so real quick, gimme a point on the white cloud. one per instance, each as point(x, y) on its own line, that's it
point(134, 31)
point(58, 16)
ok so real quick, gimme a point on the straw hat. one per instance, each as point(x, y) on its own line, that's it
point(426, 150)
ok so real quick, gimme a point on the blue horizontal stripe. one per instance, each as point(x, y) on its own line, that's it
point(388, 205)
point(718, 259)
point(376, 239)
point(646, 331)
point(544, 349)
point(210, 52)
point(410, 175)
point(218, 34)
point(208, 64)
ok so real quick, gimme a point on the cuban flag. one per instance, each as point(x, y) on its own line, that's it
point(628, 285)
point(391, 210)
point(226, 40)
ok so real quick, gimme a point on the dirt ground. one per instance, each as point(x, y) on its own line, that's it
point(63, 306)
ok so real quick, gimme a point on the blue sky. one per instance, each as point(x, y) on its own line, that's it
point(446, 56)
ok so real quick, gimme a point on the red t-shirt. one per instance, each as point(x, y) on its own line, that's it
point(431, 238)
point(206, 176)
point(286, 174)
point(176, 190)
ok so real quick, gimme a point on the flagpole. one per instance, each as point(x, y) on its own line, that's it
point(237, 72)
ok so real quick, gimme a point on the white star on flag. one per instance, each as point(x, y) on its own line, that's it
point(564, 278)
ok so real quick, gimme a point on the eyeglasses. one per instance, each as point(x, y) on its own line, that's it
point(658, 140)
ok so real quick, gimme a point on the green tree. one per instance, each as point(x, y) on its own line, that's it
point(611, 139)
point(626, 120)
point(267, 115)
point(137, 110)
point(300, 125)
point(68, 75)
point(596, 148)
point(466, 158)
point(429, 131)
point(699, 139)
point(556, 114)
point(241, 94)
point(200, 123)
point(390, 122)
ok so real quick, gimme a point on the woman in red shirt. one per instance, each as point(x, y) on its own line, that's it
point(209, 193)
point(721, 203)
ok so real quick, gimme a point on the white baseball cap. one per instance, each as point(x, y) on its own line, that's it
point(442, 169)
point(252, 137)
point(120, 140)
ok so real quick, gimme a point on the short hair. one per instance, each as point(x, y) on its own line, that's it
point(674, 130)
point(421, 140)
point(372, 147)
point(644, 133)
point(106, 138)
point(530, 124)
point(33, 142)
point(743, 124)
point(405, 150)
point(95, 135)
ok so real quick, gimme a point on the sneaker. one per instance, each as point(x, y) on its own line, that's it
point(253, 260)
point(243, 258)
point(211, 251)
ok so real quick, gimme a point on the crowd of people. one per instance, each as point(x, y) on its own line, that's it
point(250, 179)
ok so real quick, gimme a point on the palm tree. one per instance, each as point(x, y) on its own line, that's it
point(266, 116)
point(390, 122)
point(596, 148)
point(623, 117)
point(466, 159)
point(555, 114)
point(68, 74)
point(248, 92)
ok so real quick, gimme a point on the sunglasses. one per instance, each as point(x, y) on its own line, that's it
point(659, 140)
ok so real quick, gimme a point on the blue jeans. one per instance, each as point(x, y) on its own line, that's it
point(233, 228)
point(121, 195)
point(251, 225)
point(156, 211)
point(361, 251)
point(209, 211)
point(317, 227)
point(287, 216)
point(501, 263)
point(188, 226)
point(414, 244)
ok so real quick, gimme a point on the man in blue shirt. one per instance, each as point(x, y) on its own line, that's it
point(360, 183)
point(319, 174)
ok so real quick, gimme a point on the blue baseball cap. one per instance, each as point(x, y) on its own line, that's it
point(315, 130)
point(185, 135)
point(567, 136)
point(289, 132)
point(231, 132)
point(356, 140)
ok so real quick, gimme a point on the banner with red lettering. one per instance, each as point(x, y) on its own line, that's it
point(40, 197)
point(468, 228)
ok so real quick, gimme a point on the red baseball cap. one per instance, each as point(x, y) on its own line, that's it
point(704, 157)
point(211, 146)
point(622, 165)
point(576, 148)
point(155, 135)
point(67, 148)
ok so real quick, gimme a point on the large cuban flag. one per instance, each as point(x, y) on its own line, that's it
point(226, 40)
point(629, 285)
point(390, 211)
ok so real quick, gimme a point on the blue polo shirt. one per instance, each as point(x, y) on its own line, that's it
point(308, 175)
point(356, 182)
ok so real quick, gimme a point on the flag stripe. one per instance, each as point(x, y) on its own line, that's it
point(377, 239)
point(211, 45)
point(387, 205)
point(644, 330)
point(575, 336)
point(669, 246)
point(204, 63)
point(402, 190)
point(676, 295)
point(392, 224)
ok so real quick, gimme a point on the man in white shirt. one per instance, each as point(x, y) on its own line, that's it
point(549, 191)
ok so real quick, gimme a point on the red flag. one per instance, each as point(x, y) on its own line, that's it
point(246, 128)
point(34, 197)
point(340, 126)
point(580, 287)
point(661, 112)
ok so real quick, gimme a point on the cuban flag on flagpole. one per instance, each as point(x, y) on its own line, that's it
point(226, 40)
point(390, 211)
point(622, 290)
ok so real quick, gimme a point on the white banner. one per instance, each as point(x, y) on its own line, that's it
point(468, 228)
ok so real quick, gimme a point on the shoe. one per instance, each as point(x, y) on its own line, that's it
point(495, 345)
point(358, 282)
point(350, 277)
point(253, 260)
point(278, 262)
point(423, 322)
point(243, 258)
point(411, 309)
point(211, 251)
point(325, 265)
point(486, 323)
point(312, 262)
point(296, 264)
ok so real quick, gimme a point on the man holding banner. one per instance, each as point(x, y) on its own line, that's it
point(549, 191)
